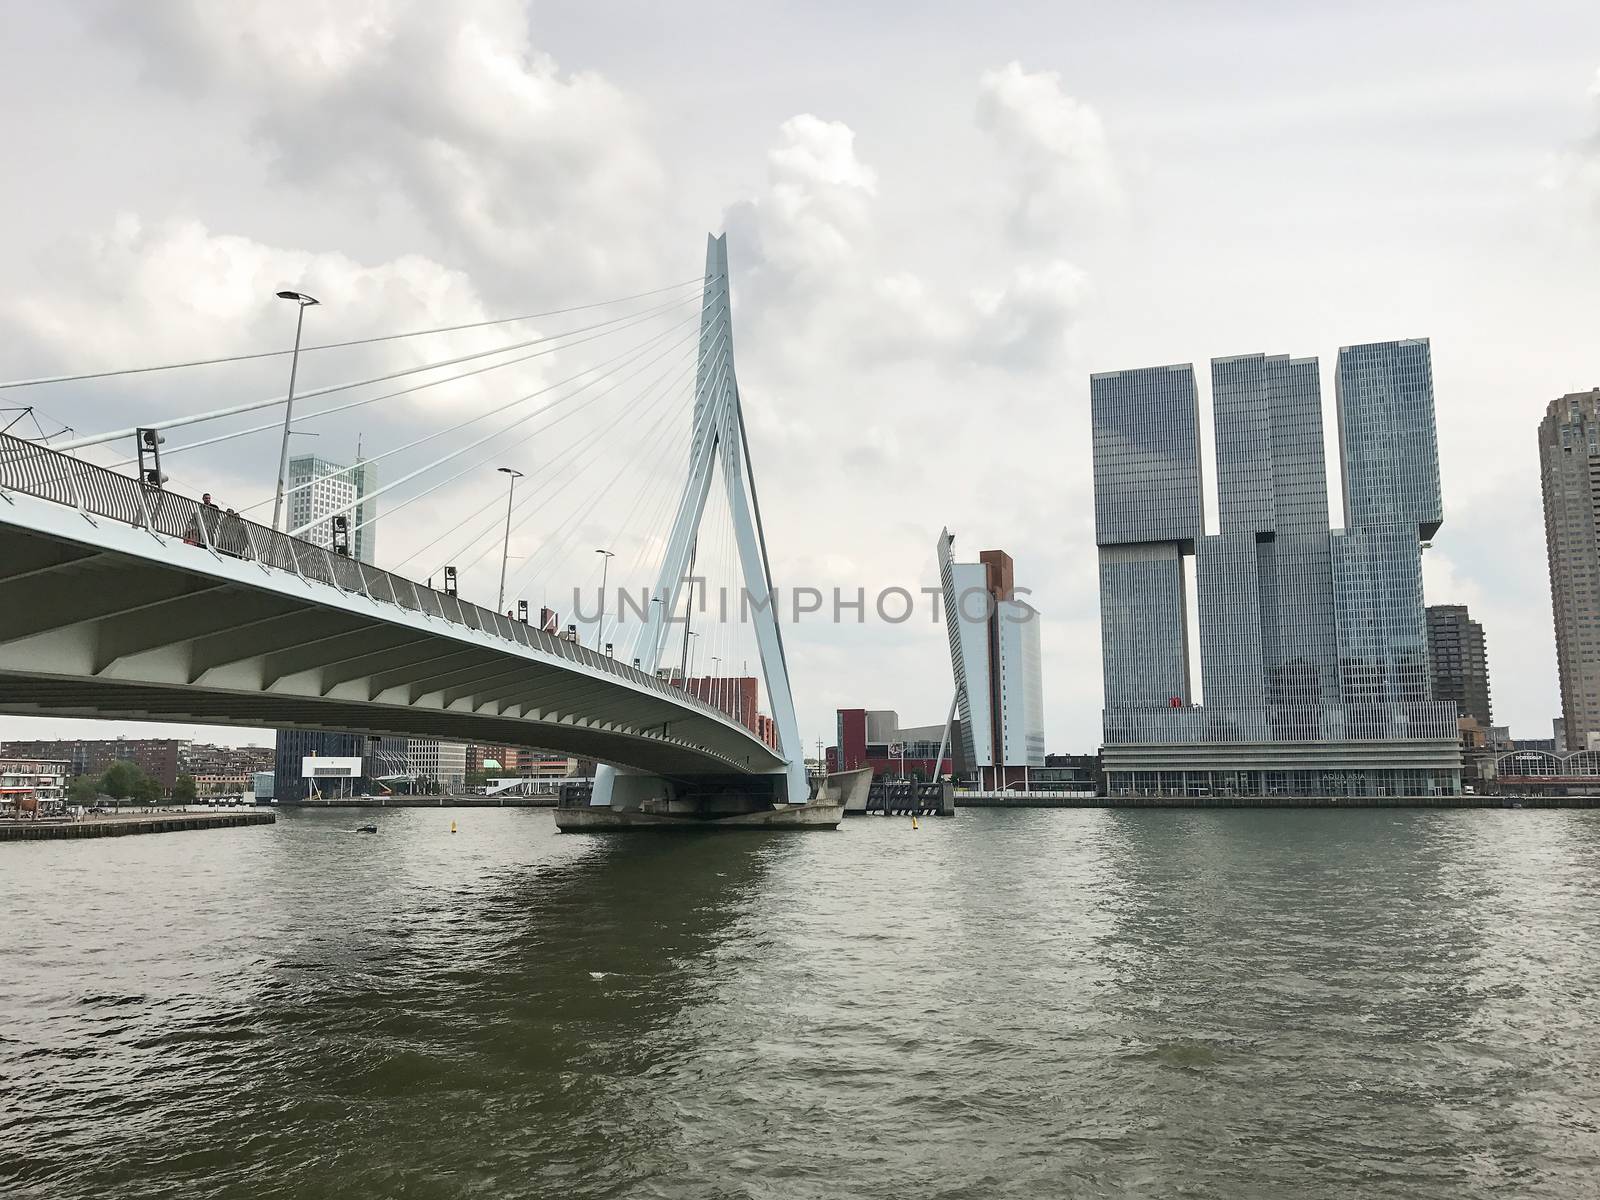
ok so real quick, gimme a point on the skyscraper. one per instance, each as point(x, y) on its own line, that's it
point(994, 654)
point(1459, 661)
point(327, 488)
point(1264, 582)
point(1313, 652)
point(1569, 471)
point(1390, 458)
point(1147, 516)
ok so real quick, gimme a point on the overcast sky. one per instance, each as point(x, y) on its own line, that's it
point(942, 219)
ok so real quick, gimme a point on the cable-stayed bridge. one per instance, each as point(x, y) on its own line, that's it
point(121, 597)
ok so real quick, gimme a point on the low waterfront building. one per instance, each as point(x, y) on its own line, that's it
point(204, 759)
point(32, 787)
point(875, 738)
point(517, 762)
point(1544, 772)
point(234, 784)
point(262, 786)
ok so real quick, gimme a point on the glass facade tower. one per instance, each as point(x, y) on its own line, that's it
point(1148, 514)
point(1311, 641)
point(1390, 456)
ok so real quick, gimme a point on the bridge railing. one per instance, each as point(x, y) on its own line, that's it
point(37, 470)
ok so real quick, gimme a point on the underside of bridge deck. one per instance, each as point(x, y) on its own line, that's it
point(99, 619)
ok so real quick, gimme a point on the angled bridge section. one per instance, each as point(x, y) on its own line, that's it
point(128, 602)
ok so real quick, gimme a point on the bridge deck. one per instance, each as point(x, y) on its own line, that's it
point(103, 617)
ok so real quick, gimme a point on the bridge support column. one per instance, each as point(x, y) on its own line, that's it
point(718, 441)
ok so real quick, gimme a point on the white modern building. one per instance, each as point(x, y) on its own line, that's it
point(326, 488)
point(995, 658)
point(443, 763)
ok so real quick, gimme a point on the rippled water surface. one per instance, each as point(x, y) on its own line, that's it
point(1041, 1004)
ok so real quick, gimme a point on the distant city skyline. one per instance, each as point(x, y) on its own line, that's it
point(924, 275)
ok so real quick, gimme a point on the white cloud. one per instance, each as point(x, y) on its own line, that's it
point(511, 163)
point(806, 253)
point(1060, 161)
point(143, 293)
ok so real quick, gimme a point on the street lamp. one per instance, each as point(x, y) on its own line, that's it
point(305, 302)
point(716, 681)
point(688, 657)
point(505, 553)
point(605, 566)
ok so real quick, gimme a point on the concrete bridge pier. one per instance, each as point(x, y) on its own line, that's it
point(638, 800)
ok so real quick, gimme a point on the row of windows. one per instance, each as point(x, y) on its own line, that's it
point(1210, 724)
point(1357, 782)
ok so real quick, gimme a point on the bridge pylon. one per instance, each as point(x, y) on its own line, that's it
point(718, 439)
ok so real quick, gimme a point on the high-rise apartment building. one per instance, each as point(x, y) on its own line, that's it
point(1569, 471)
point(1460, 661)
point(994, 653)
point(1313, 648)
point(326, 488)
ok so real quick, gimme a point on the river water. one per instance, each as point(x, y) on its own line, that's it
point(1018, 1003)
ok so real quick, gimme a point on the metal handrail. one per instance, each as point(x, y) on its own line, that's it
point(37, 470)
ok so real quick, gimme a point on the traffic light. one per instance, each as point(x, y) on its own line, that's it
point(149, 441)
point(449, 581)
point(341, 535)
point(522, 611)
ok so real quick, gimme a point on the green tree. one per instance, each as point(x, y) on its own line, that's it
point(184, 791)
point(120, 779)
point(146, 790)
point(85, 789)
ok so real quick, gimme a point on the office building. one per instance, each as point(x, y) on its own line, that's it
point(1569, 472)
point(994, 655)
point(437, 764)
point(327, 488)
point(1459, 661)
point(1312, 643)
point(1147, 516)
point(383, 761)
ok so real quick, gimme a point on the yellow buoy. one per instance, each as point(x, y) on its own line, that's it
point(452, 826)
point(914, 824)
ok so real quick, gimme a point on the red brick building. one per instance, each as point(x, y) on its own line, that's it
point(869, 737)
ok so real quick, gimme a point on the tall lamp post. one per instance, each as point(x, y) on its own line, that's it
point(305, 302)
point(716, 682)
point(505, 552)
point(605, 566)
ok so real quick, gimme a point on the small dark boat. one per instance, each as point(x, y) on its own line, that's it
point(367, 829)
